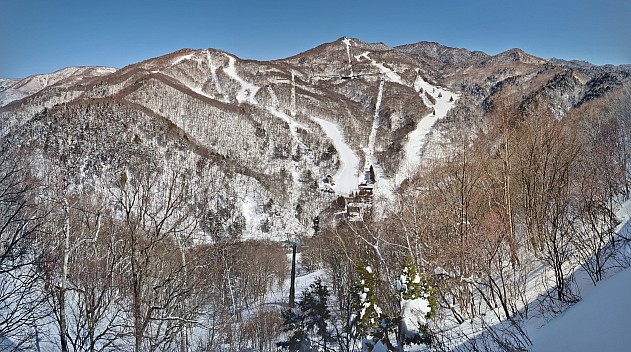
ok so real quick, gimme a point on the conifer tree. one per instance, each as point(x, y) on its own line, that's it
point(308, 323)
point(367, 313)
point(417, 305)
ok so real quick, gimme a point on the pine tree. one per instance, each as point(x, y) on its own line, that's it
point(367, 314)
point(417, 305)
point(308, 322)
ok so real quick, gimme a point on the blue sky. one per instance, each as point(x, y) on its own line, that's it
point(38, 36)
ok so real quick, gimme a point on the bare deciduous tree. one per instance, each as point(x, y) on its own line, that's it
point(20, 221)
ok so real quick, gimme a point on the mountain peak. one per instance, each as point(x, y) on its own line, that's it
point(441, 53)
point(518, 55)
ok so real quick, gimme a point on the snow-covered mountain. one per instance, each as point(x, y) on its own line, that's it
point(16, 89)
point(266, 134)
point(277, 149)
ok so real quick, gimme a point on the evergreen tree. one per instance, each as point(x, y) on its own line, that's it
point(367, 314)
point(308, 322)
point(417, 305)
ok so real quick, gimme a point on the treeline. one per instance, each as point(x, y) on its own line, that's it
point(134, 267)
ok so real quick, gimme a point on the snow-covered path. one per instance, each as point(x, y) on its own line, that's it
point(388, 73)
point(347, 175)
point(347, 42)
point(370, 149)
point(417, 139)
point(181, 58)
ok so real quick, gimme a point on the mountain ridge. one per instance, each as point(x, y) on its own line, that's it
point(259, 119)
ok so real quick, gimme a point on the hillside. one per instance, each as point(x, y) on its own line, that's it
point(172, 188)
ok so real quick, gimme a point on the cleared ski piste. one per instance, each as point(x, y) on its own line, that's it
point(347, 175)
point(248, 90)
point(417, 139)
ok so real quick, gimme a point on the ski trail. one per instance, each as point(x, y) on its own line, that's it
point(213, 75)
point(347, 42)
point(293, 126)
point(375, 122)
point(193, 85)
point(273, 96)
point(417, 139)
point(301, 146)
point(421, 84)
point(181, 58)
point(388, 73)
point(248, 90)
point(364, 55)
point(346, 176)
point(383, 185)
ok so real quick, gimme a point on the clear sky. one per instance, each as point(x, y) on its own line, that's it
point(39, 36)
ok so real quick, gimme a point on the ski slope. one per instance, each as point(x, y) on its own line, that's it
point(417, 139)
point(347, 175)
point(389, 74)
point(248, 91)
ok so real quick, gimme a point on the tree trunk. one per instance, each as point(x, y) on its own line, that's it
point(63, 329)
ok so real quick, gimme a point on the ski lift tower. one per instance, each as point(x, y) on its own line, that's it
point(294, 241)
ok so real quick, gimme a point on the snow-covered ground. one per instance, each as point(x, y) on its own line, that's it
point(347, 175)
point(248, 90)
point(599, 322)
point(417, 139)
